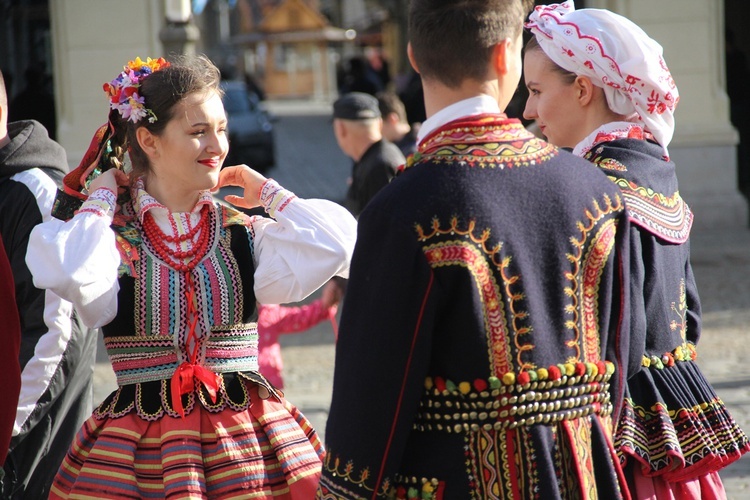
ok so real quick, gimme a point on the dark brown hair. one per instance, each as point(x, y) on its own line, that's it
point(568, 76)
point(162, 91)
point(452, 40)
point(389, 102)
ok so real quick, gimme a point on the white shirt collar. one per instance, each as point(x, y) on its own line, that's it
point(478, 105)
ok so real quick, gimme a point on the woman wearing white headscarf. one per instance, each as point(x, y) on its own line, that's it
point(598, 84)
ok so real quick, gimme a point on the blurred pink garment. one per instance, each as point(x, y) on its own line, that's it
point(275, 320)
point(705, 487)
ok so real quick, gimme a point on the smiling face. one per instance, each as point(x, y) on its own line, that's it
point(552, 101)
point(189, 153)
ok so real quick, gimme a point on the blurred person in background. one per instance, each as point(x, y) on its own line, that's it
point(395, 127)
point(358, 128)
point(57, 352)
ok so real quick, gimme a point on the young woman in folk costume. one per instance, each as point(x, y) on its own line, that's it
point(599, 85)
point(172, 278)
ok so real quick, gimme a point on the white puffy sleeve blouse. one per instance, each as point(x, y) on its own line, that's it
point(305, 243)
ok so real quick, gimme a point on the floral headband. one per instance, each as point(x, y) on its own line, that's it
point(123, 90)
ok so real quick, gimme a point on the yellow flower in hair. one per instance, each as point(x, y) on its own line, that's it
point(137, 63)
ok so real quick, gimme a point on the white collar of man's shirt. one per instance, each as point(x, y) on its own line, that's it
point(478, 105)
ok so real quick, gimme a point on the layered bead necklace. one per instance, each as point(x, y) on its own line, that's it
point(175, 257)
point(183, 380)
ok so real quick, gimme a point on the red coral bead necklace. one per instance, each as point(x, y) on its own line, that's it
point(175, 257)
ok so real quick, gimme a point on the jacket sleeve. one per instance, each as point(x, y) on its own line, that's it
point(694, 324)
point(382, 358)
point(625, 346)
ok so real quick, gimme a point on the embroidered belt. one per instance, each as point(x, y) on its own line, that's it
point(139, 359)
point(462, 408)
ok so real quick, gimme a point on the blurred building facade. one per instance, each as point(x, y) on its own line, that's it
point(82, 44)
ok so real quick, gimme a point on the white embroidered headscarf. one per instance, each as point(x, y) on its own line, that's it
point(617, 55)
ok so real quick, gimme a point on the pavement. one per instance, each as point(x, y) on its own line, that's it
point(310, 164)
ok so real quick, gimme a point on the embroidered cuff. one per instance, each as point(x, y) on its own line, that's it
point(274, 198)
point(101, 202)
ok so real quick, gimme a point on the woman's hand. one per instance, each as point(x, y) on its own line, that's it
point(332, 294)
point(113, 179)
point(246, 178)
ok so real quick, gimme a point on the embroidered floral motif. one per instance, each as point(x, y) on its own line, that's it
point(608, 164)
point(473, 252)
point(358, 477)
point(685, 352)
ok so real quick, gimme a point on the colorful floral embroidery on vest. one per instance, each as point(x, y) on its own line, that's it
point(584, 288)
point(668, 217)
point(486, 142)
point(472, 253)
point(128, 240)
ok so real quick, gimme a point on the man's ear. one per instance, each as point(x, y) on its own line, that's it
point(501, 57)
point(391, 118)
point(410, 55)
point(148, 142)
point(585, 89)
point(340, 128)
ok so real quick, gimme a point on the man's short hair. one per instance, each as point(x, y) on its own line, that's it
point(452, 40)
point(389, 102)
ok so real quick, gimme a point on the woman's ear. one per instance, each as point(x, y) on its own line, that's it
point(585, 90)
point(148, 142)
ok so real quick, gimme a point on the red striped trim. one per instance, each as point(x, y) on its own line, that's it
point(403, 386)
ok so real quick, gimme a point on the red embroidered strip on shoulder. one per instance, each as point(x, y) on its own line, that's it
point(484, 141)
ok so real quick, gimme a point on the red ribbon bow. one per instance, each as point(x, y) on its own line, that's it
point(183, 382)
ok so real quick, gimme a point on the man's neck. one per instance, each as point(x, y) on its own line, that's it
point(361, 147)
point(438, 96)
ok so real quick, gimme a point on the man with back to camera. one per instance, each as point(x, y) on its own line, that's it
point(357, 125)
point(395, 127)
point(484, 337)
point(57, 352)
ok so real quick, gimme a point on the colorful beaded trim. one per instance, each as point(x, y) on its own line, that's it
point(560, 392)
point(414, 488)
point(686, 352)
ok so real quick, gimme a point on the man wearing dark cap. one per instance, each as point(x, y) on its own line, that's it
point(358, 127)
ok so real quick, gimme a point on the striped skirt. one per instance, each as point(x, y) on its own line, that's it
point(269, 450)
